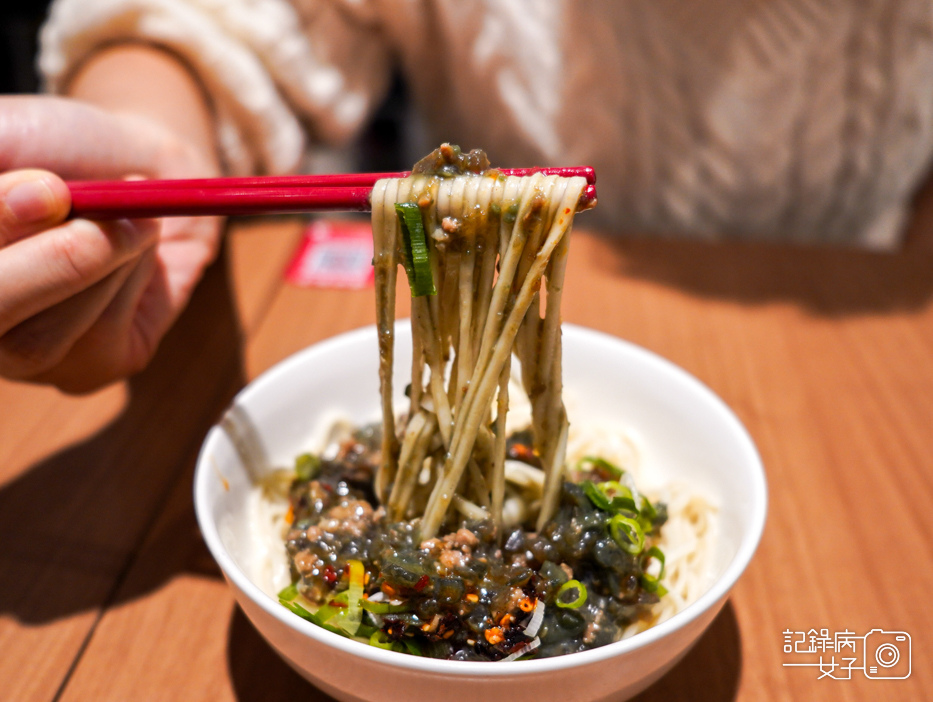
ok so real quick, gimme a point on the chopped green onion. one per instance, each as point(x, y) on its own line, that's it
point(366, 630)
point(613, 488)
point(354, 613)
point(289, 593)
point(620, 504)
point(385, 607)
point(329, 613)
point(650, 582)
point(597, 496)
point(658, 555)
point(627, 533)
point(307, 466)
point(571, 585)
point(414, 648)
point(400, 210)
point(620, 497)
point(647, 510)
point(311, 617)
point(299, 610)
point(336, 609)
point(380, 640)
point(417, 255)
point(598, 462)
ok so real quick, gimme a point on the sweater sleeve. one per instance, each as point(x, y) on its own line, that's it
point(275, 73)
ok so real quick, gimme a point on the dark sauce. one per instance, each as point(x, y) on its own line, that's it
point(448, 161)
point(470, 594)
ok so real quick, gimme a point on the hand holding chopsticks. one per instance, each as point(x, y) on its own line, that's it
point(257, 195)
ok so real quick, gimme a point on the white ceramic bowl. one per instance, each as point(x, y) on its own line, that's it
point(687, 433)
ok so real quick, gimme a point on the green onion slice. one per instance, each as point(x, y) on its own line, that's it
point(610, 496)
point(414, 648)
point(380, 640)
point(329, 613)
point(307, 466)
point(354, 612)
point(311, 617)
point(571, 585)
point(650, 582)
point(289, 593)
point(648, 510)
point(385, 607)
point(365, 631)
point(657, 554)
point(626, 504)
point(620, 497)
point(614, 488)
point(299, 610)
point(417, 256)
point(627, 533)
point(597, 496)
point(613, 470)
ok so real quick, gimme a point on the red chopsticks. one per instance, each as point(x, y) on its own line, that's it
point(116, 199)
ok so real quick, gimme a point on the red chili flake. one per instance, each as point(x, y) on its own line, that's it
point(527, 604)
point(494, 635)
point(567, 211)
point(422, 583)
point(330, 575)
point(335, 603)
point(523, 453)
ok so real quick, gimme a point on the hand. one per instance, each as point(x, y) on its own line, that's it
point(84, 303)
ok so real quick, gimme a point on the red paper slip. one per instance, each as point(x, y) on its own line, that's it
point(333, 254)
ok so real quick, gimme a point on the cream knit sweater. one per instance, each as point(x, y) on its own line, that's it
point(806, 120)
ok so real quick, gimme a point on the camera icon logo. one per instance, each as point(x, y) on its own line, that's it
point(887, 654)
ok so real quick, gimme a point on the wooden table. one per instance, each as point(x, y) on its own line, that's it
point(108, 593)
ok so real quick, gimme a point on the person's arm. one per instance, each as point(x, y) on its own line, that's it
point(149, 82)
point(918, 235)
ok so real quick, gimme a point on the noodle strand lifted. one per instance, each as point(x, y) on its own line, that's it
point(491, 241)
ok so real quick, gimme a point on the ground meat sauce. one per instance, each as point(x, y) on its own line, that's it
point(448, 161)
point(466, 595)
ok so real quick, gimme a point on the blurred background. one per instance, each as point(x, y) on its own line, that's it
point(19, 26)
point(394, 138)
point(391, 141)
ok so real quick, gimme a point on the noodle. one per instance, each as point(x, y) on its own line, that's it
point(476, 322)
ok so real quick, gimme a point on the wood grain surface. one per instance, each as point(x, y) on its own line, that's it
point(108, 593)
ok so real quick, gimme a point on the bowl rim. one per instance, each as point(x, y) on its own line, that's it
point(205, 470)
